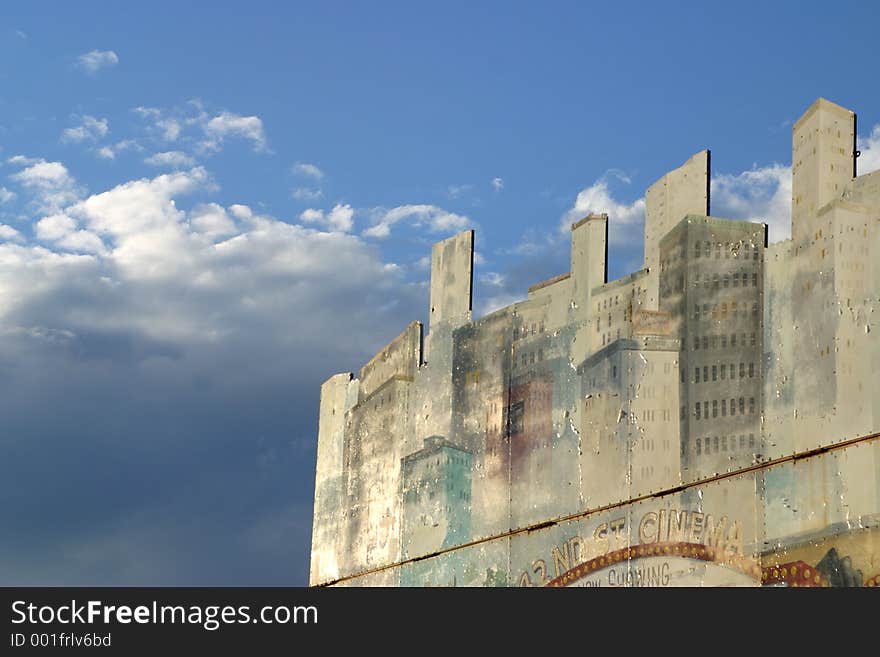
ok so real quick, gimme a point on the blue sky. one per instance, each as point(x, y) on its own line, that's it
point(206, 211)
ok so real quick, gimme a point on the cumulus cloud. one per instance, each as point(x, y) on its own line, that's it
point(196, 337)
point(142, 242)
point(308, 170)
point(761, 194)
point(49, 183)
point(212, 220)
point(497, 184)
point(139, 236)
point(176, 159)
point(64, 232)
point(54, 227)
point(227, 124)
point(95, 60)
point(436, 220)
point(597, 198)
point(8, 233)
point(89, 128)
point(869, 160)
point(338, 219)
point(6, 196)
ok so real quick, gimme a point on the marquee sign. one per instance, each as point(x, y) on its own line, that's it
point(675, 548)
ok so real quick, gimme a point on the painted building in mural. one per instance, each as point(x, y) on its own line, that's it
point(709, 420)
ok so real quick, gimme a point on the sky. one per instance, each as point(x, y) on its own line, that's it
point(208, 210)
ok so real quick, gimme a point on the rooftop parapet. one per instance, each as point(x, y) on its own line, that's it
point(452, 276)
point(400, 358)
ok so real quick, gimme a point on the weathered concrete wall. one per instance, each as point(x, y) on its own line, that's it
point(711, 283)
point(377, 437)
point(629, 421)
point(586, 436)
point(774, 527)
point(680, 192)
point(401, 359)
point(779, 404)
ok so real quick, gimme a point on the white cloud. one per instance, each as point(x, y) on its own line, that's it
point(23, 160)
point(242, 212)
point(170, 129)
point(54, 227)
point(43, 173)
point(90, 128)
point(456, 191)
point(308, 170)
point(311, 215)
point(176, 159)
point(761, 194)
point(869, 160)
point(492, 278)
point(176, 124)
point(147, 112)
point(212, 220)
point(139, 205)
point(20, 34)
point(110, 151)
point(95, 60)
point(167, 128)
point(62, 230)
point(174, 322)
point(227, 124)
point(155, 254)
point(597, 198)
point(6, 196)
point(437, 220)
point(338, 219)
point(49, 182)
point(307, 194)
point(8, 233)
point(82, 241)
point(497, 184)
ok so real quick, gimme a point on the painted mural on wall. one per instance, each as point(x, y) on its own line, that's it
point(658, 430)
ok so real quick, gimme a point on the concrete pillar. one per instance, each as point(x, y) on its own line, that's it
point(452, 271)
point(822, 163)
point(589, 257)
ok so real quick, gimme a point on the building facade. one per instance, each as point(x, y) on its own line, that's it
point(710, 419)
